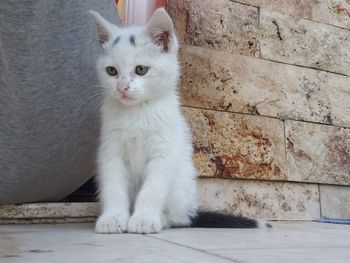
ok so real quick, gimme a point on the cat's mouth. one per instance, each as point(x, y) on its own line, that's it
point(126, 97)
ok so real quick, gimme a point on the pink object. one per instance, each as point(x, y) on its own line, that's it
point(138, 12)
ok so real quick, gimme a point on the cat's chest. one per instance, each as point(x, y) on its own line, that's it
point(138, 135)
point(135, 151)
point(134, 143)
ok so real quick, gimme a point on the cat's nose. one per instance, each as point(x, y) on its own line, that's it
point(123, 88)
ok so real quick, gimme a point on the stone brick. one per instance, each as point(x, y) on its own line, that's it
point(266, 200)
point(220, 25)
point(335, 201)
point(333, 12)
point(304, 42)
point(234, 27)
point(216, 80)
point(228, 145)
point(318, 153)
point(179, 12)
point(49, 210)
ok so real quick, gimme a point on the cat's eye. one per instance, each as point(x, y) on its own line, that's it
point(112, 71)
point(141, 70)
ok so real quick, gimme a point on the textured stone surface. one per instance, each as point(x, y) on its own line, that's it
point(77, 243)
point(318, 153)
point(179, 12)
point(266, 200)
point(303, 42)
point(221, 25)
point(237, 28)
point(49, 210)
point(228, 145)
point(335, 201)
point(286, 242)
point(215, 80)
point(333, 12)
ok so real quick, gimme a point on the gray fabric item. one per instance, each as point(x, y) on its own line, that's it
point(48, 130)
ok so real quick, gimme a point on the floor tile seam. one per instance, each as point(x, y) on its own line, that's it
point(277, 248)
point(196, 249)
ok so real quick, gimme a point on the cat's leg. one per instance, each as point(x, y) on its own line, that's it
point(114, 196)
point(148, 209)
point(181, 205)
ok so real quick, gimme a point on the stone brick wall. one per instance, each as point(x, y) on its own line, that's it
point(266, 88)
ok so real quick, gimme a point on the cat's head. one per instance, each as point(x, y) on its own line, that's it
point(138, 64)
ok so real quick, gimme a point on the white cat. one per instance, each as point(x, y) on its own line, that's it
point(146, 173)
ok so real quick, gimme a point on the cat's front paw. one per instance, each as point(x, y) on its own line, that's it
point(144, 224)
point(108, 224)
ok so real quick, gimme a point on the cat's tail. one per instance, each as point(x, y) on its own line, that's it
point(209, 219)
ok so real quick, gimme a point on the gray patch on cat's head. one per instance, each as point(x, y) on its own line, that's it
point(132, 40)
point(116, 41)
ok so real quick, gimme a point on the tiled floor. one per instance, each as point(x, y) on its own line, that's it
point(285, 242)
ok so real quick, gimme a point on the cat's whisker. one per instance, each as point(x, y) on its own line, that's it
point(94, 106)
point(92, 98)
point(147, 99)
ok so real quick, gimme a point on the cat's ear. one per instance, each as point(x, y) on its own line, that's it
point(161, 29)
point(104, 28)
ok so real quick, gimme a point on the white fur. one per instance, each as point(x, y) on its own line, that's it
point(146, 173)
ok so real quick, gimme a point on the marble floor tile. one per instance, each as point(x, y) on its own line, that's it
point(282, 235)
point(288, 255)
point(285, 242)
point(77, 243)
